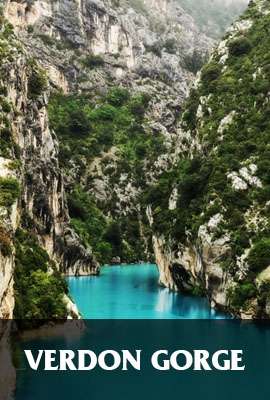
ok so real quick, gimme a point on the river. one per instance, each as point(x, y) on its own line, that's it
point(125, 308)
point(132, 292)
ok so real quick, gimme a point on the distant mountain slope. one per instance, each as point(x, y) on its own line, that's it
point(213, 16)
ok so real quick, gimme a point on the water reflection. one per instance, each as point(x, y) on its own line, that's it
point(132, 291)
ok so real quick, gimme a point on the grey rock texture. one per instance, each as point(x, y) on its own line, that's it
point(151, 47)
point(141, 48)
point(32, 162)
point(144, 45)
point(214, 256)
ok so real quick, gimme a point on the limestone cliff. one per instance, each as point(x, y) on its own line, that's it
point(212, 224)
point(153, 49)
point(32, 195)
point(88, 47)
point(124, 69)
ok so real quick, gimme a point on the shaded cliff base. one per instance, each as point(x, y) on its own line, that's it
point(8, 371)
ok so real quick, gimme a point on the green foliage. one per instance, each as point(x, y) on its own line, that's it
point(155, 48)
point(198, 291)
point(3, 90)
point(107, 237)
point(30, 29)
point(92, 61)
point(86, 129)
point(239, 46)
point(38, 292)
point(113, 236)
point(170, 45)
point(79, 124)
point(8, 30)
point(6, 142)
point(238, 87)
point(46, 39)
point(138, 105)
point(90, 223)
point(190, 179)
point(240, 294)
point(118, 96)
point(194, 61)
point(5, 242)
point(9, 191)
point(111, 129)
point(211, 72)
point(37, 82)
point(259, 256)
point(6, 107)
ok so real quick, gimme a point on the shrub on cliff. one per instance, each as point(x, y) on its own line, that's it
point(240, 46)
point(138, 104)
point(170, 45)
point(6, 142)
point(79, 124)
point(211, 72)
point(38, 292)
point(241, 293)
point(6, 107)
point(89, 223)
point(194, 61)
point(92, 61)
point(9, 191)
point(5, 242)
point(37, 83)
point(259, 256)
point(118, 96)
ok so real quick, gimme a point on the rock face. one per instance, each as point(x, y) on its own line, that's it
point(31, 185)
point(151, 46)
point(214, 238)
point(32, 194)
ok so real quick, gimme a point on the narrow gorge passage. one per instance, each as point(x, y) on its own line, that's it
point(132, 291)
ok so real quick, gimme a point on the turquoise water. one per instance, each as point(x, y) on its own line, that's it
point(132, 291)
point(168, 321)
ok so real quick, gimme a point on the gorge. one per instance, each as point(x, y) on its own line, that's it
point(134, 131)
point(117, 74)
point(107, 155)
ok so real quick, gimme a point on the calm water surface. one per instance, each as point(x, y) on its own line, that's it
point(132, 291)
point(159, 319)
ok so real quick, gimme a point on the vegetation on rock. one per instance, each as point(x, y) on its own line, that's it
point(106, 133)
point(37, 82)
point(9, 191)
point(39, 288)
point(226, 176)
